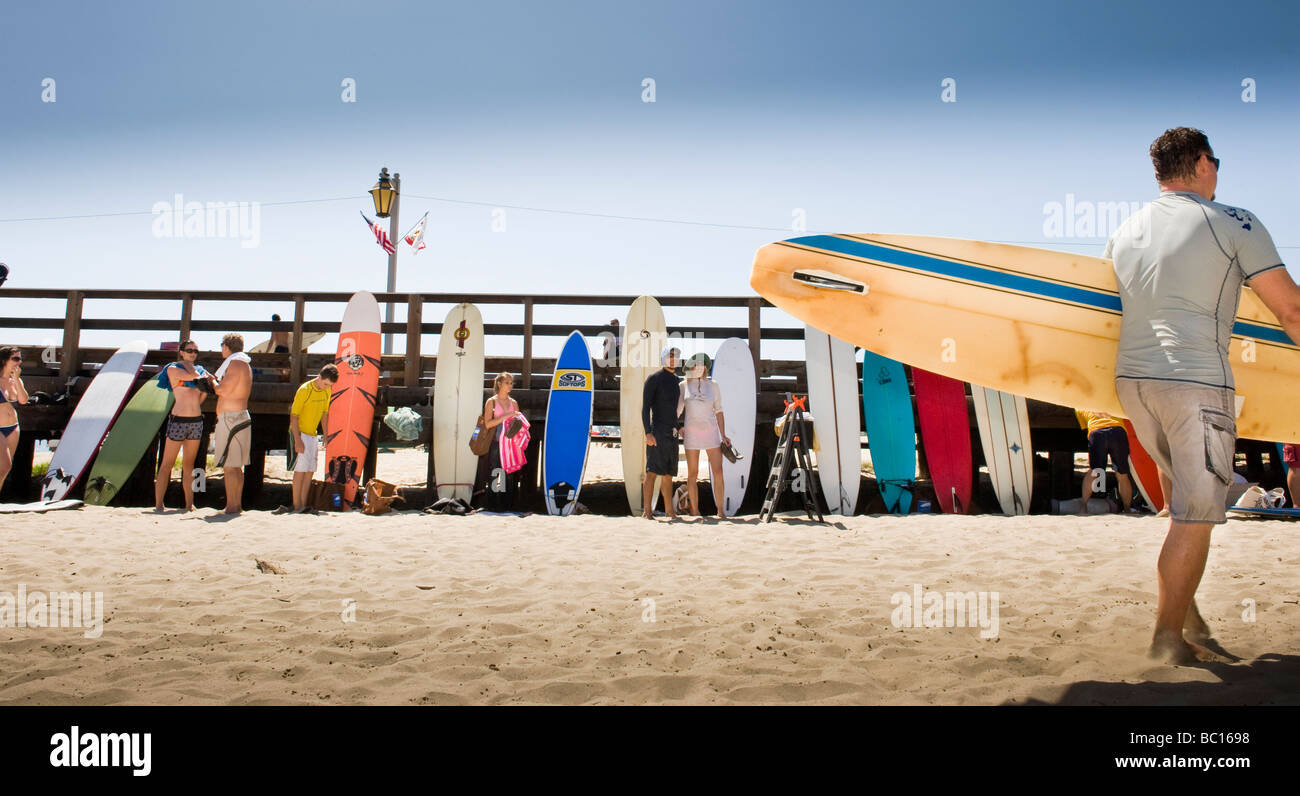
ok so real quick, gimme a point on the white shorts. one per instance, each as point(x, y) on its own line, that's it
point(306, 462)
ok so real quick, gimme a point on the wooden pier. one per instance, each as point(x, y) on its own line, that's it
point(70, 366)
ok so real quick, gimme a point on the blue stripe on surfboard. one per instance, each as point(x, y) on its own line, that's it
point(891, 433)
point(1096, 299)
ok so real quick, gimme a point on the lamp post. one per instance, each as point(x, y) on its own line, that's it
point(387, 195)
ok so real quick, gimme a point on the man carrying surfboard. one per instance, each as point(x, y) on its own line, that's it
point(659, 417)
point(1179, 264)
point(233, 438)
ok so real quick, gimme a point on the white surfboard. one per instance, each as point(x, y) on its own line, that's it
point(308, 338)
point(38, 507)
point(1004, 432)
point(733, 371)
point(90, 421)
point(833, 401)
point(458, 398)
point(644, 337)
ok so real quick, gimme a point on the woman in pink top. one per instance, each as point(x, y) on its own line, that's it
point(498, 410)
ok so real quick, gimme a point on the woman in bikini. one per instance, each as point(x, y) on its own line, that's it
point(498, 410)
point(184, 425)
point(13, 394)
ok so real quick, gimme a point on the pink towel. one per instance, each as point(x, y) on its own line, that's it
point(512, 448)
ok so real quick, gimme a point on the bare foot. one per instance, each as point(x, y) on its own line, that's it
point(1195, 628)
point(645, 516)
point(671, 516)
point(722, 516)
point(1180, 652)
point(1162, 513)
point(159, 509)
point(233, 511)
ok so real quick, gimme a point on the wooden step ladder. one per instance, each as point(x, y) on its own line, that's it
point(791, 453)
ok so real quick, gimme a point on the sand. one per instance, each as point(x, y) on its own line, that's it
point(610, 610)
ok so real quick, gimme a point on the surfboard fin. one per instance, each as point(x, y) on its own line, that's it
point(828, 281)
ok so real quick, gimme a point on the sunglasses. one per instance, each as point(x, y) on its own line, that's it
point(1213, 160)
point(189, 351)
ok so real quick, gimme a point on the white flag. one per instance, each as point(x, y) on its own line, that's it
point(415, 237)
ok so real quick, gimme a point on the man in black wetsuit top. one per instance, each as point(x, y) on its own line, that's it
point(659, 417)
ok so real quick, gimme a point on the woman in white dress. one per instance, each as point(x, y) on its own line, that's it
point(704, 429)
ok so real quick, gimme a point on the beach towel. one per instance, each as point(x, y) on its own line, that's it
point(165, 382)
point(405, 423)
point(513, 447)
point(238, 356)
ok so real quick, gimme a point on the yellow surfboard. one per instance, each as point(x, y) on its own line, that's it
point(1032, 322)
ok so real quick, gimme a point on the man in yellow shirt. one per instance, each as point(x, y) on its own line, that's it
point(309, 415)
point(1106, 438)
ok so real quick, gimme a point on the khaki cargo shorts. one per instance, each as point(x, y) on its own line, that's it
point(1191, 432)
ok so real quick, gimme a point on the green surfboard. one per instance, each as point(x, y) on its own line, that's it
point(132, 433)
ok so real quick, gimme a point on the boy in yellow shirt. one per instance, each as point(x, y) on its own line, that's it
point(1106, 438)
point(309, 414)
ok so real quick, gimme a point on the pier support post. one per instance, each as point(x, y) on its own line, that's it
point(71, 359)
point(414, 317)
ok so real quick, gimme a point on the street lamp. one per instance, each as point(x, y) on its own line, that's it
point(387, 195)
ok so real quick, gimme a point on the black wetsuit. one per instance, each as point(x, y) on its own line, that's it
point(659, 417)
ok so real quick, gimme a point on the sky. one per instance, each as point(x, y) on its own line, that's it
point(763, 114)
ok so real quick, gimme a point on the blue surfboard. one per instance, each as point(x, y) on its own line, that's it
point(1293, 514)
point(891, 432)
point(568, 426)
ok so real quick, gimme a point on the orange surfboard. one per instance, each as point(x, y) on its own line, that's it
point(1145, 473)
point(352, 406)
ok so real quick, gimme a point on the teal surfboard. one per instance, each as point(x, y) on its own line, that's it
point(891, 432)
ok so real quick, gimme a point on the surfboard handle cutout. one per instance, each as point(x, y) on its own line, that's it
point(825, 281)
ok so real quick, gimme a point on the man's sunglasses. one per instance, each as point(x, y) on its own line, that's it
point(1213, 160)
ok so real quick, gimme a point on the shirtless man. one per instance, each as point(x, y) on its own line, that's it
point(1179, 264)
point(233, 437)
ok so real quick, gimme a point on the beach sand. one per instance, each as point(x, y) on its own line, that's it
point(617, 610)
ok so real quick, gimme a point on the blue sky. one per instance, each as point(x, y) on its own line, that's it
point(761, 109)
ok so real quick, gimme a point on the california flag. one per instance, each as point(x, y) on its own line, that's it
point(415, 237)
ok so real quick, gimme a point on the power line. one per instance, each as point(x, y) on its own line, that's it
point(557, 211)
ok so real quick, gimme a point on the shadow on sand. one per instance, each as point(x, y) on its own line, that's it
point(1270, 679)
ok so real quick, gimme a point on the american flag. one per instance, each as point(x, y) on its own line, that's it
point(381, 237)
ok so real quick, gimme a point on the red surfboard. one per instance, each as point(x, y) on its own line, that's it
point(945, 436)
point(352, 406)
point(1145, 473)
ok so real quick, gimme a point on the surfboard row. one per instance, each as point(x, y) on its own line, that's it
point(126, 429)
